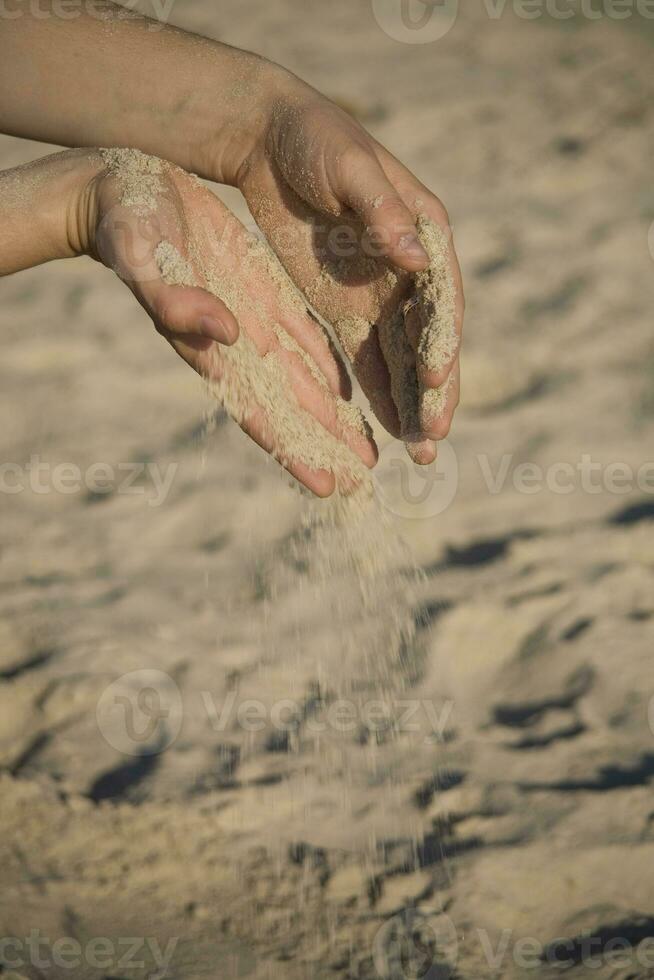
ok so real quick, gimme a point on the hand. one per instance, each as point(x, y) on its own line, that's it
point(205, 245)
point(314, 178)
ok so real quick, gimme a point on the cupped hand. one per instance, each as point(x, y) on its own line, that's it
point(172, 239)
point(340, 211)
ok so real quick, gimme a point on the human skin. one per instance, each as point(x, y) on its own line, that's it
point(69, 204)
point(232, 117)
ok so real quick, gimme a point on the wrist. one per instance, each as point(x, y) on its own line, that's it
point(82, 179)
point(224, 142)
point(42, 206)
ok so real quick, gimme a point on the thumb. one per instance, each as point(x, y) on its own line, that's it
point(362, 185)
point(130, 245)
point(187, 312)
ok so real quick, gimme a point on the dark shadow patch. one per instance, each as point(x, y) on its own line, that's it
point(229, 758)
point(217, 543)
point(440, 783)
point(569, 146)
point(36, 745)
point(576, 629)
point(542, 741)
point(38, 659)
point(481, 552)
point(301, 852)
point(434, 850)
point(633, 513)
point(269, 779)
point(121, 782)
point(640, 615)
point(278, 742)
point(523, 715)
point(607, 779)
point(429, 612)
point(575, 951)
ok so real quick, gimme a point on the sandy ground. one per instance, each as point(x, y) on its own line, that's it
point(495, 817)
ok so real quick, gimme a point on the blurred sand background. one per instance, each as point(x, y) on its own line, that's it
point(528, 813)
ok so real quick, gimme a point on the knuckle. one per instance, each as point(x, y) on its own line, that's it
point(353, 158)
point(168, 314)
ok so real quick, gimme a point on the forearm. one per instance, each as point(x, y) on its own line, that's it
point(101, 76)
point(46, 209)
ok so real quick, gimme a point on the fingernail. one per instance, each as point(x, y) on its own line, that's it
point(411, 246)
point(225, 333)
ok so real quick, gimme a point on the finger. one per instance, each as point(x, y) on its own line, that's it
point(362, 184)
point(320, 482)
point(188, 311)
point(413, 328)
point(405, 388)
point(287, 309)
point(372, 374)
point(412, 324)
point(318, 402)
point(438, 406)
point(208, 364)
point(336, 302)
point(129, 244)
point(311, 337)
point(431, 378)
point(421, 451)
point(420, 200)
point(311, 398)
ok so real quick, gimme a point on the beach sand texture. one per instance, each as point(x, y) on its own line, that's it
point(506, 794)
